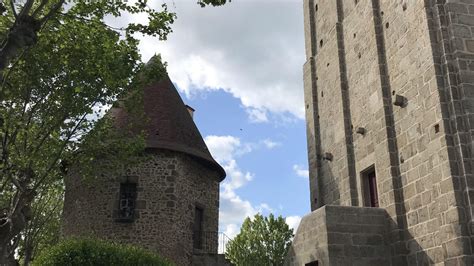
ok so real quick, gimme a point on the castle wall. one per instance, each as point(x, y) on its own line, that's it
point(341, 235)
point(452, 22)
point(334, 173)
point(368, 101)
point(431, 191)
point(169, 186)
point(422, 151)
point(312, 110)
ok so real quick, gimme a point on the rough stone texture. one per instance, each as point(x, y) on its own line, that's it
point(177, 175)
point(167, 123)
point(170, 185)
point(362, 53)
point(341, 235)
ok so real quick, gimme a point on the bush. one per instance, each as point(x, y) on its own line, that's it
point(97, 252)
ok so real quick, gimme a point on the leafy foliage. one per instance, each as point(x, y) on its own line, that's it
point(43, 230)
point(23, 20)
point(60, 69)
point(204, 3)
point(97, 252)
point(261, 241)
point(52, 95)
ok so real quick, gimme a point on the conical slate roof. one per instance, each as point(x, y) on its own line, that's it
point(170, 126)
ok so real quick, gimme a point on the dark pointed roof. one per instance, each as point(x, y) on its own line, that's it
point(170, 126)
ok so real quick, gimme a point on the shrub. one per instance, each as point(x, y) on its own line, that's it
point(81, 252)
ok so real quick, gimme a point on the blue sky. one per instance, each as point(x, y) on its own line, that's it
point(240, 67)
point(268, 151)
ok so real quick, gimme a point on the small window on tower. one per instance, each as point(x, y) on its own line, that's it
point(369, 189)
point(128, 195)
point(197, 228)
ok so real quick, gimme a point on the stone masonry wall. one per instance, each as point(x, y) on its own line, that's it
point(431, 190)
point(169, 186)
point(335, 171)
point(312, 110)
point(342, 235)
point(422, 151)
point(452, 22)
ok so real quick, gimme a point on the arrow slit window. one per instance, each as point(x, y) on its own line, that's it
point(198, 224)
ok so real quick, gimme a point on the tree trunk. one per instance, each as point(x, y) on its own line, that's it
point(28, 253)
point(12, 224)
point(3, 256)
point(21, 35)
point(7, 258)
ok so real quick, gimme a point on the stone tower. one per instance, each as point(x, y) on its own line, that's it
point(389, 95)
point(168, 204)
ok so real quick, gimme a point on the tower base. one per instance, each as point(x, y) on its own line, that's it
point(341, 235)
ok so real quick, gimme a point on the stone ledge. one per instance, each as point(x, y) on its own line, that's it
point(332, 234)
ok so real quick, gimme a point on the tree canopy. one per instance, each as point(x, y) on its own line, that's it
point(61, 66)
point(261, 241)
point(59, 69)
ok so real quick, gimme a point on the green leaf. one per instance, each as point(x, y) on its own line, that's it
point(261, 241)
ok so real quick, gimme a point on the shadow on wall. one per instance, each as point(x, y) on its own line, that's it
point(443, 52)
point(345, 235)
point(329, 185)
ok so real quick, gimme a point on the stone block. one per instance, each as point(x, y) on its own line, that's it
point(470, 46)
point(404, 52)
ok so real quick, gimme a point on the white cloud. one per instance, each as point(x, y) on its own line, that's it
point(237, 177)
point(239, 48)
point(233, 209)
point(270, 144)
point(223, 148)
point(300, 171)
point(231, 230)
point(293, 222)
point(257, 115)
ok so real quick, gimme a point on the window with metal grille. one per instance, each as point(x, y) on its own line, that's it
point(128, 195)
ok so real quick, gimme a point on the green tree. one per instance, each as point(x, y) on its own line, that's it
point(59, 69)
point(23, 20)
point(43, 230)
point(51, 95)
point(261, 241)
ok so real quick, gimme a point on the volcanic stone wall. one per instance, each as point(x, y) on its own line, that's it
point(169, 187)
point(342, 235)
point(363, 56)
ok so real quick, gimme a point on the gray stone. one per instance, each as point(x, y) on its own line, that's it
point(422, 154)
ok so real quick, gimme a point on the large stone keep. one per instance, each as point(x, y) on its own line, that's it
point(389, 97)
point(169, 203)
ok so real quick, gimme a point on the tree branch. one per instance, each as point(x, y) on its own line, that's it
point(90, 20)
point(58, 156)
point(26, 9)
point(53, 11)
point(46, 135)
point(24, 31)
point(40, 7)
point(12, 5)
